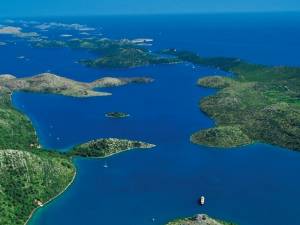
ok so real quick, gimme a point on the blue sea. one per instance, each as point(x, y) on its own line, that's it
point(252, 185)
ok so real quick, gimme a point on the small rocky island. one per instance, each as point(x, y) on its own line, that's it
point(200, 219)
point(116, 115)
point(106, 147)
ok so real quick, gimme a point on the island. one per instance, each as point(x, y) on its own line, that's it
point(106, 147)
point(200, 219)
point(255, 103)
point(30, 175)
point(116, 115)
point(54, 84)
point(109, 53)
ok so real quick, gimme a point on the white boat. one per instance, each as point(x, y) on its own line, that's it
point(202, 200)
point(105, 165)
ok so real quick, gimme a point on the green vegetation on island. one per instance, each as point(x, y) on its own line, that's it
point(111, 53)
point(128, 57)
point(28, 180)
point(200, 219)
point(116, 115)
point(107, 147)
point(215, 82)
point(222, 137)
point(16, 131)
point(257, 104)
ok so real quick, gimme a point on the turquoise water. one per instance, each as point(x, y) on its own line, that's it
point(256, 184)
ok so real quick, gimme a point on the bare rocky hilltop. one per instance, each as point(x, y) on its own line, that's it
point(54, 84)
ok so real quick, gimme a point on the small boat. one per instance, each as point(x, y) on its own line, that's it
point(202, 200)
point(105, 165)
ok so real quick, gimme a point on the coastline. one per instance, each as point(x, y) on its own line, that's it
point(39, 140)
point(71, 182)
point(173, 154)
point(53, 198)
point(15, 104)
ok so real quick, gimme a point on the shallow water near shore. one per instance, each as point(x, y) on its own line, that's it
point(248, 185)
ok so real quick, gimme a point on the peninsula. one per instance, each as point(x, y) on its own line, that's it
point(107, 147)
point(257, 103)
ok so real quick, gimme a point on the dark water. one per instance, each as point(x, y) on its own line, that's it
point(257, 184)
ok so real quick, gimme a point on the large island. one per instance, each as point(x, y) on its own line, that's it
point(256, 104)
point(109, 53)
